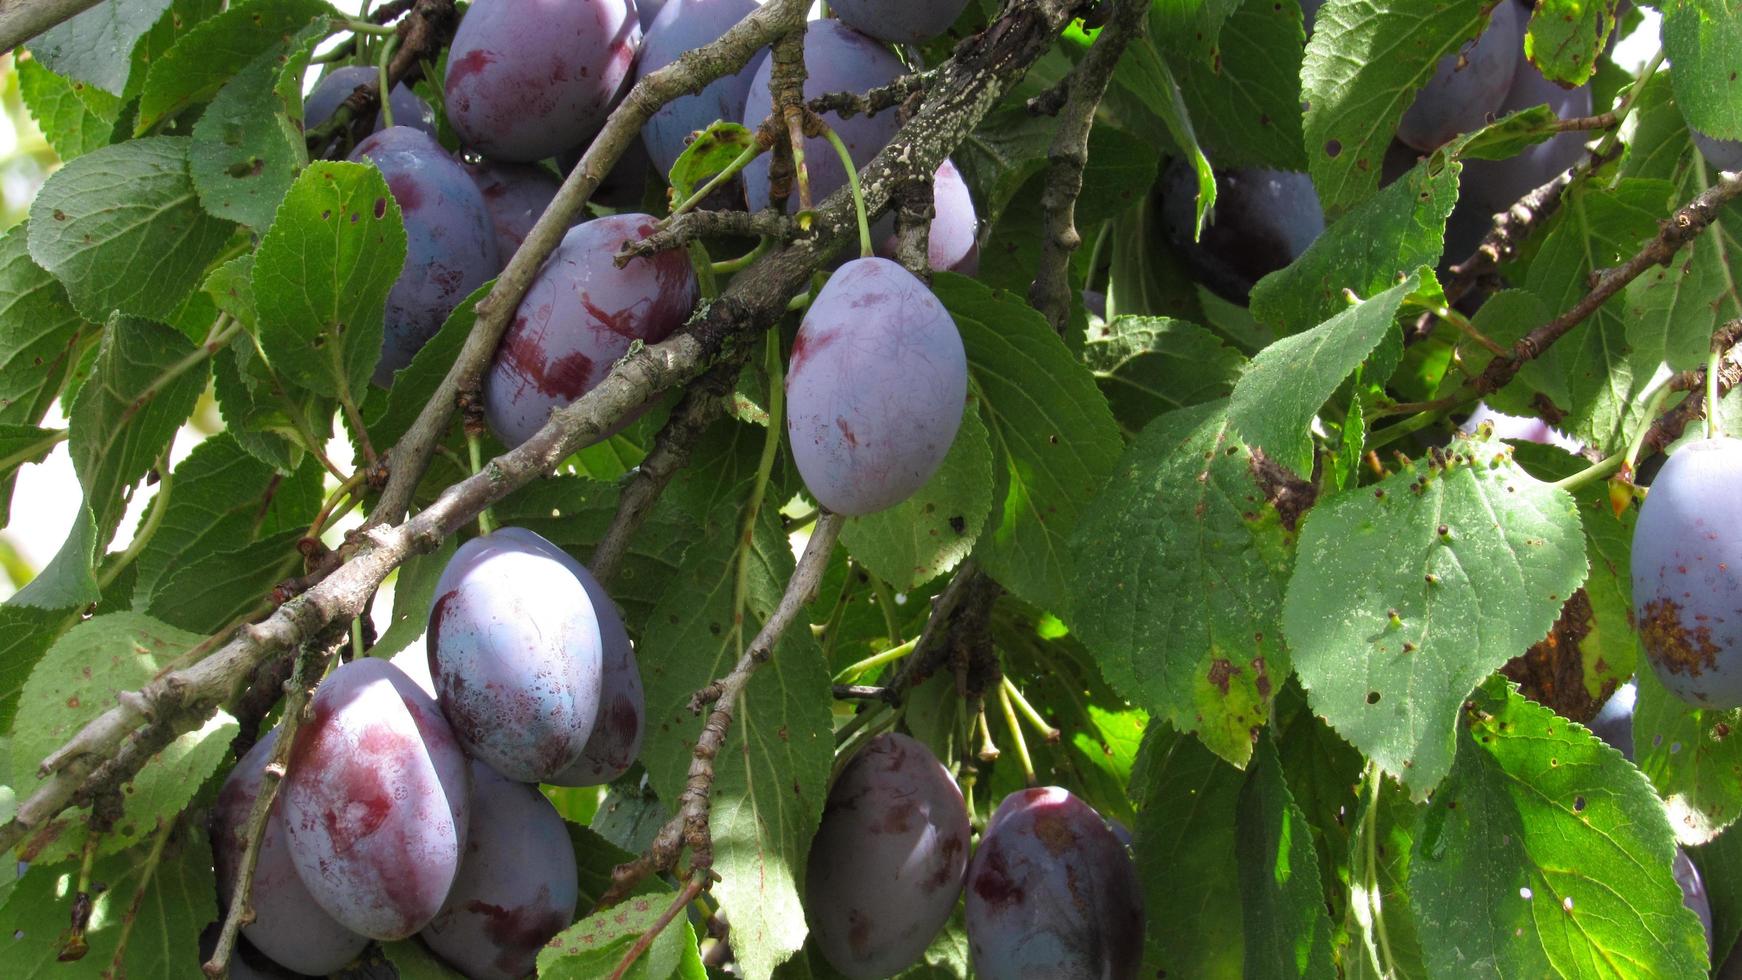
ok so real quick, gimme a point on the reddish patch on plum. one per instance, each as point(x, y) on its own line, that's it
point(993, 882)
point(406, 191)
point(470, 64)
point(566, 377)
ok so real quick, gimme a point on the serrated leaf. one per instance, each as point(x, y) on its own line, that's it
point(1691, 755)
point(1287, 932)
point(39, 332)
point(75, 117)
point(1703, 39)
point(930, 532)
point(97, 45)
point(245, 153)
point(1566, 37)
point(1050, 427)
point(1244, 97)
point(1545, 854)
point(1276, 399)
point(1670, 309)
point(21, 444)
point(594, 946)
point(203, 59)
point(1392, 621)
point(173, 889)
point(1144, 74)
point(322, 274)
point(122, 229)
point(227, 536)
point(25, 636)
point(1354, 98)
point(1383, 239)
point(1150, 365)
point(69, 579)
point(772, 774)
point(1180, 566)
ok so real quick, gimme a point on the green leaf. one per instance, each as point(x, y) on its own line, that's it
point(21, 444)
point(1000, 156)
point(1691, 756)
point(1150, 365)
point(1286, 384)
point(226, 538)
point(203, 59)
point(75, 117)
point(322, 275)
point(171, 889)
point(1050, 427)
point(1144, 74)
point(390, 418)
point(1368, 250)
point(1670, 309)
point(69, 579)
point(1703, 40)
point(772, 773)
point(1185, 847)
point(1286, 930)
point(39, 333)
point(245, 153)
point(1244, 97)
point(413, 960)
point(1720, 865)
point(593, 947)
point(1545, 854)
point(122, 229)
point(1566, 38)
point(1381, 920)
point(1392, 614)
point(1189, 27)
point(25, 636)
point(413, 595)
point(97, 45)
point(710, 153)
point(930, 532)
point(1355, 94)
point(1180, 565)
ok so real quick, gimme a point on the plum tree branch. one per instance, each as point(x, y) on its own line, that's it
point(689, 73)
point(21, 20)
point(1669, 426)
point(1068, 155)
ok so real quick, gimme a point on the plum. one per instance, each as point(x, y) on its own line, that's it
point(374, 802)
point(528, 79)
point(616, 738)
point(289, 928)
point(1694, 892)
point(876, 387)
point(1687, 574)
point(683, 26)
point(246, 962)
point(1467, 86)
point(899, 21)
point(515, 195)
point(838, 59)
point(1052, 893)
point(886, 864)
point(1722, 154)
point(337, 86)
point(517, 885)
point(1263, 220)
point(1613, 722)
point(646, 12)
point(450, 248)
point(514, 651)
point(579, 316)
point(1496, 185)
point(951, 245)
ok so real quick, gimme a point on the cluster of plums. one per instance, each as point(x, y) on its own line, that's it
point(529, 83)
point(408, 805)
point(1050, 892)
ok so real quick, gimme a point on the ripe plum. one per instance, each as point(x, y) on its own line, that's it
point(1496, 185)
point(899, 21)
point(681, 26)
point(1264, 220)
point(337, 86)
point(515, 195)
point(1467, 86)
point(951, 243)
point(876, 388)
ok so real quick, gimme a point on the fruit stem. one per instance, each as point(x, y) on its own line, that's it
point(1014, 694)
point(364, 27)
point(988, 750)
point(1016, 734)
point(381, 63)
point(852, 671)
point(1370, 833)
point(853, 185)
point(773, 367)
point(738, 163)
point(886, 603)
point(1620, 461)
point(1714, 362)
point(1638, 443)
point(486, 520)
point(727, 266)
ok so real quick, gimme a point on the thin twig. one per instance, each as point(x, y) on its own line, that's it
point(678, 903)
point(1669, 426)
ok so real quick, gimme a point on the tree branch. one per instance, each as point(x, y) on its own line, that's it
point(1669, 426)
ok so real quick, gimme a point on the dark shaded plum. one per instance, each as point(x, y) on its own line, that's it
point(1309, 13)
point(450, 248)
point(683, 26)
point(646, 12)
point(899, 21)
point(515, 194)
point(1467, 86)
point(616, 738)
point(289, 927)
point(337, 86)
point(528, 79)
point(514, 651)
point(952, 245)
point(838, 59)
point(517, 886)
point(876, 387)
point(1614, 720)
point(374, 804)
point(1263, 220)
point(1687, 573)
point(1721, 154)
point(886, 864)
point(246, 962)
point(1496, 185)
point(579, 316)
point(1052, 893)
point(1694, 892)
